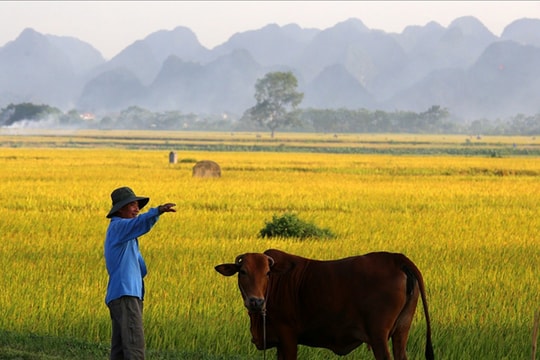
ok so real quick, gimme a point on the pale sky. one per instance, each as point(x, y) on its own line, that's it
point(111, 26)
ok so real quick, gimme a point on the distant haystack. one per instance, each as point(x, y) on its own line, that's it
point(206, 169)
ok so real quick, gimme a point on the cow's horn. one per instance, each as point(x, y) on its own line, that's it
point(238, 260)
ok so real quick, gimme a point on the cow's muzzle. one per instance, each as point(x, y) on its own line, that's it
point(255, 304)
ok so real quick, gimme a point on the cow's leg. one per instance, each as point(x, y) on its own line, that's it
point(399, 345)
point(380, 349)
point(287, 350)
point(400, 335)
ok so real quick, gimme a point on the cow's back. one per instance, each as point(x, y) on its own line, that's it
point(358, 277)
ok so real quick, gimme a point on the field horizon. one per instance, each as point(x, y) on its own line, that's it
point(376, 144)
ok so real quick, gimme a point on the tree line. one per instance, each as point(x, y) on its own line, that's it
point(276, 108)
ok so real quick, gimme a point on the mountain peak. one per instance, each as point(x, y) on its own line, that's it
point(469, 25)
point(353, 24)
point(524, 31)
point(30, 36)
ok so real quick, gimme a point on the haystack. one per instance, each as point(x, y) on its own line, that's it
point(206, 169)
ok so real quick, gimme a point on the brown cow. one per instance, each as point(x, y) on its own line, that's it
point(337, 304)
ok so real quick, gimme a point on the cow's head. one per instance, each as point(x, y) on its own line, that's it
point(253, 278)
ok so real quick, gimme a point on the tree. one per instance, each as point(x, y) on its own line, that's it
point(135, 117)
point(277, 101)
point(27, 111)
point(430, 121)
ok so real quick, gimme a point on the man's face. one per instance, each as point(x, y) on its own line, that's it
point(129, 211)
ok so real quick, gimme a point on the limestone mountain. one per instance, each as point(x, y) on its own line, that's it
point(463, 67)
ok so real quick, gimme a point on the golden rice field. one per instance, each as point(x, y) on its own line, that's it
point(471, 224)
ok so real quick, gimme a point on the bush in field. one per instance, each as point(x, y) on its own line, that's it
point(289, 225)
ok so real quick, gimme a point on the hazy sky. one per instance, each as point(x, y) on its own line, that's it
point(111, 26)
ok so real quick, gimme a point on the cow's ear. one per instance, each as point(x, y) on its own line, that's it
point(281, 266)
point(227, 269)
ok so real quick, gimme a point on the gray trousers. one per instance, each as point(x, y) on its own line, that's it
point(127, 341)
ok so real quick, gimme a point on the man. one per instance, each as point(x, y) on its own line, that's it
point(126, 269)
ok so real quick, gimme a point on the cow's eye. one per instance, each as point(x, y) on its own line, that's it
point(268, 273)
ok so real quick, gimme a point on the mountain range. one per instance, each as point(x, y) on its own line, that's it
point(463, 67)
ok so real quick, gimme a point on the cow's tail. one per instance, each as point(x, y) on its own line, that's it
point(413, 273)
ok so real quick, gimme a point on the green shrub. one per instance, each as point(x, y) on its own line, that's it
point(289, 225)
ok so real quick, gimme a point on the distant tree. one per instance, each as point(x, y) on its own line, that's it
point(430, 121)
point(525, 125)
point(72, 117)
point(106, 123)
point(26, 111)
point(135, 117)
point(169, 120)
point(277, 101)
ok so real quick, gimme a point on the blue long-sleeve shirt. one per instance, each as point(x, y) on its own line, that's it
point(123, 259)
